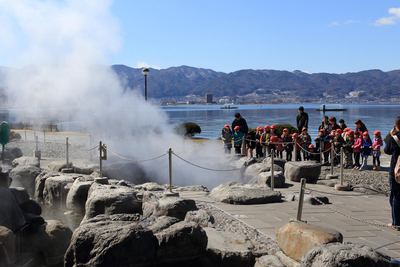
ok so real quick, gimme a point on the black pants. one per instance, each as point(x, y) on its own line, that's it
point(238, 149)
point(259, 152)
point(357, 159)
point(376, 161)
point(288, 155)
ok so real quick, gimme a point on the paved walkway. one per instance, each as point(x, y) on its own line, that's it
point(267, 218)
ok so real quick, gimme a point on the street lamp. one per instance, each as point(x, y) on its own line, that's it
point(145, 73)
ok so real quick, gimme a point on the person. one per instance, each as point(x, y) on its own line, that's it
point(251, 143)
point(357, 150)
point(279, 147)
point(348, 149)
point(242, 123)
point(288, 146)
point(392, 147)
point(322, 144)
point(259, 146)
point(302, 119)
point(237, 139)
point(337, 142)
point(305, 142)
point(227, 136)
point(313, 153)
point(366, 148)
point(376, 150)
point(297, 142)
point(360, 127)
point(265, 139)
point(324, 125)
point(333, 126)
point(342, 124)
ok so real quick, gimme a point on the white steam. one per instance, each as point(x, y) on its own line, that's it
point(62, 74)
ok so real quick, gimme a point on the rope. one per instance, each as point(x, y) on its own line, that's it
point(93, 148)
point(134, 160)
point(313, 153)
point(205, 168)
point(343, 195)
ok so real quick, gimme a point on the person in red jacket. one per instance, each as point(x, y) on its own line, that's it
point(376, 150)
point(357, 150)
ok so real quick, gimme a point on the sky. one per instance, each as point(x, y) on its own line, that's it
point(226, 35)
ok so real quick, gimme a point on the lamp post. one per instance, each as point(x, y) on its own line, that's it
point(145, 73)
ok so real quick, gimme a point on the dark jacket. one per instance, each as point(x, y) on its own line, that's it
point(362, 128)
point(242, 123)
point(392, 148)
point(302, 121)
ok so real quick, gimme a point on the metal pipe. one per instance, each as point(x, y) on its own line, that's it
point(101, 163)
point(301, 199)
point(67, 151)
point(321, 151)
point(170, 169)
point(272, 169)
point(332, 158)
point(341, 166)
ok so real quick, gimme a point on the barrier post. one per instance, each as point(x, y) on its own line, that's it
point(67, 151)
point(301, 199)
point(332, 158)
point(170, 169)
point(100, 158)
point(295, 150)
point(44, 136)
point(272, 169)
point(321, 151)
point(244, 153)
point(38, 154)
point(342, 186)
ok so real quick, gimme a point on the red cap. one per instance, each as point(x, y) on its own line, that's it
point(377, 132)
point(311, 146)
point(273, 126)
point(236, 128)
point(274, 139)
point(339, 131)
point(347, 129)
point(351, 132)
point(294, 135)
point(227, 126)
point(267, 127)
point(365, 133)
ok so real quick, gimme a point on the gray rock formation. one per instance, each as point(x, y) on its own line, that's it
point(78, 193)
point(11, 215)
point(25, 161)
point(295, 170)
point(55, 189)
point(268, 261)
point(201, 217)
point(264, 179)
point(24, 176)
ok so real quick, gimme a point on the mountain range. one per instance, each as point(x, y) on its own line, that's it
point(185, 80)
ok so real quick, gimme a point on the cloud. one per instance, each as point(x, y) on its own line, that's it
point(142, 64)
point(343, 23)
point(393, 18)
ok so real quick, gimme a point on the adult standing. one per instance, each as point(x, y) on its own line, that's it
point(360, 126)
point(392, 147)
point(241, 122)
point(302, 119)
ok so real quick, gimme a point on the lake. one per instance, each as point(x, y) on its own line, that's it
point(211, 118)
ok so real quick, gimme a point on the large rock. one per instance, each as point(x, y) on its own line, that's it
point(111, 199)
point(280, 162)
point(78, 193)
point(8, 247)
point(57, 166)
point(295, 170)
point(297, 238)
point(20, 194)
point(201, 217)
point(236, 193)
point(24, 176)
point(25, 161)
point(40, 182)
point(151, 186)
point(337, 254)
point(229, 249)
point(268, 261)
point(264, 179)
point(56, 190)
point(255, 169)
point(11, 215)
point(174, 207)
point(11, 153)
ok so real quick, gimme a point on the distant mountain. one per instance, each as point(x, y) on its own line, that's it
point(184, 80)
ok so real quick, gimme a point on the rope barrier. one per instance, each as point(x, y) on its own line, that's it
point(134, 160)
point(93, 148)
point(343, 195)
point(205, 168)
point(314, 153)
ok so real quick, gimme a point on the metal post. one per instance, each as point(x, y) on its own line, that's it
point(170, 169)
point(332, 158)
point(301, 199)
point(44, 136)
point(101, 163)
point(341, 166)
point(25, 135)
point(321, 151)
point(37, 142)
point(295, 150)
point(244, 146)
point(67, 151)
point(272, 169)
point(145, 87)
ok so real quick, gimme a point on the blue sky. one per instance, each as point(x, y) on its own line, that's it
point(226, 35)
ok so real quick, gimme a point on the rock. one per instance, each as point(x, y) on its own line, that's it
point(295, 170)
point(149, 202)
point(111, 199)
point(312, 200)
point(337, 254)
point(186, 237)
point(268, 261)
point(103, 180)
point(201, 217)
point(128, 171)
point(280, 162)
point(40, 182)
point(235, 193)
point(11, 215)
point(264, 179)
point(25, 161)
point(297, 238)
point(12, 153)
point(48, 244)
point(57, 166)
point(151, 186)
point(55, 191)
point(31, 206)
point(328, 182)
point(20, 194)
point(194, 188)
point(8, 243)
point(78, 193)
point(229, 249)
point(257, 168)
point(157, 224)
point(83, 170)
point(174, 207)
point(24, 176)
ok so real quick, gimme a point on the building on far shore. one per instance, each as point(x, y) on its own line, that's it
point(209, 98)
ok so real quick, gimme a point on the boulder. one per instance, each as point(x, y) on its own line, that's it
point(8, 245)
point(280, 162)
point(11, 153)
point(337, 254)
point(57, 166)
point(151, 186)
point(55, 189)
point(236, 193)
point(296, 239)
point(111, 199)
point(78, 193)
point(40, 182)
point(201, 217)
point(20, 194)
point(229, 249)
point(194, 188)
point(174, 207)
point(312, 200)
point(11, 215)
point(268, 261)
point(24, 176)
point(253, 170)
point(31, 206)
point(264, 179)
point(295, 170)
point(25, 161)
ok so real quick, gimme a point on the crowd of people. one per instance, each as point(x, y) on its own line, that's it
point(356, 144)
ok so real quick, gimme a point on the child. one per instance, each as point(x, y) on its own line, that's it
point(357, 150)
point(366, 147)
point(259, 146)
point(227, 136)
point(348, 149)
point(265, 139)
point(313, 153)
point(297, 143)
point(376, 150)
point(288, 146)
point(237, 140)
point(305, 142)
point(322, 144)
point(278, 147)
point(338, 142)
point(251, 142)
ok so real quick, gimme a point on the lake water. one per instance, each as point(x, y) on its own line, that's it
point(211, 118)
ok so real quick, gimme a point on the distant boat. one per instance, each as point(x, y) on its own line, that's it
point(229, 106)
point(325, 108)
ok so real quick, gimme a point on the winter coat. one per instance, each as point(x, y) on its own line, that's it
point(366, 147)
point(357, 145)
point(302, 121)
point(242, 123)
point(226, 136)
point(376, 144)
point(238, 138)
